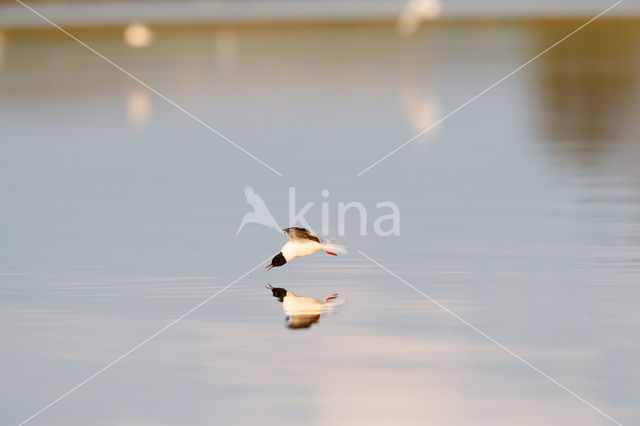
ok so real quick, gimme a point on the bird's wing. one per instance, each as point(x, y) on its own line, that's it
point(300, 234)
point(255, 200)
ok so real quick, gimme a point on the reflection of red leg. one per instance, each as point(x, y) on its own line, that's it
point(333, 296)
point(332, 254)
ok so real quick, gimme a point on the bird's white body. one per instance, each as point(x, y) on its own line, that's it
point(299, 248)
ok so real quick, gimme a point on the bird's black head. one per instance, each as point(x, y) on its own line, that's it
point(278, 293)
point(278, 260)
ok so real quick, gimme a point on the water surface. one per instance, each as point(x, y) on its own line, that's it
point(519, 213)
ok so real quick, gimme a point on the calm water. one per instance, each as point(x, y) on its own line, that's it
point(519, 213)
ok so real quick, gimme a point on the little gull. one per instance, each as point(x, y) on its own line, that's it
point(303, 243)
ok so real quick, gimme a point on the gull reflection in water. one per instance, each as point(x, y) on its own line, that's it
point(302, 311)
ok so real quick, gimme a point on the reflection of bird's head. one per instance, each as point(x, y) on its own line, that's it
point(279, 293)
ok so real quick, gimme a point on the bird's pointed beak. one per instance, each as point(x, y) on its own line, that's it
point(268, 267)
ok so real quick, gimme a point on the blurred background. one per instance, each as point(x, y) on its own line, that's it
point(520, 212)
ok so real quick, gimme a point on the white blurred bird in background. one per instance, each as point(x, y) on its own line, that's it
point(414, 13)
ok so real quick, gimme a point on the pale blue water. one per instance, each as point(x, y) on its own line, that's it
point(519, 213)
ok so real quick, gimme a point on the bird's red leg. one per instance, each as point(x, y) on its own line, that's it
point(332, 254)
point(333, 296)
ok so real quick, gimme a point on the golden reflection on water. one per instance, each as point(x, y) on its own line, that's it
point(589, 90)
point(138, 107)
point(226, 47)
point(3, 41)
point(423, 111)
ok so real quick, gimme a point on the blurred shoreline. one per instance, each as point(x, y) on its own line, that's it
point(105, 14)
